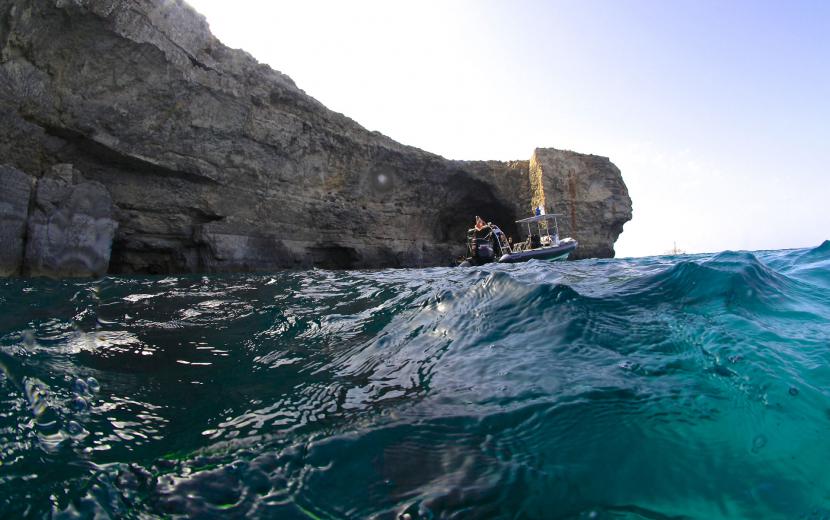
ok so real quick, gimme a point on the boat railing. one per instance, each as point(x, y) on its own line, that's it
point(503, 244)
point(548, 235)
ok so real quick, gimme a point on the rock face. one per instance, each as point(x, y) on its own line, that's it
point(589, 193)
point(215, 162)
point(14, 210)
point(59, 225)
point(70, 229)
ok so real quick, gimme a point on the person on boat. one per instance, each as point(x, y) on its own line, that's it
point(481, 230)
point(480, 224)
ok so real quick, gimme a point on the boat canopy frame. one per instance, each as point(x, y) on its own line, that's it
point(552, 240)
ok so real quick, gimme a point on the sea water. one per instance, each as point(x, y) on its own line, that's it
point(662, 387)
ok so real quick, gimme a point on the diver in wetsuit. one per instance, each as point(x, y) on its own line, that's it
point(481, 245)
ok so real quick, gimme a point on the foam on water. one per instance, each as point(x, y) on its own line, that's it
point(688, 386)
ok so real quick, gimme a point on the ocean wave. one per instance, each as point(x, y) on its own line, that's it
point(664, 387)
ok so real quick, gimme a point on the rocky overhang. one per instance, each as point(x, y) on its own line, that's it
point(193, 157)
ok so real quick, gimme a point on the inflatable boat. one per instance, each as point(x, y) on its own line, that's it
point(489, 244)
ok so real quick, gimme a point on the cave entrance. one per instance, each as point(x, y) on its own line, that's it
point(467, 198)
point(334, 257)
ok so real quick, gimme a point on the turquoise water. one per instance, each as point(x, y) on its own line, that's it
point(664, 387)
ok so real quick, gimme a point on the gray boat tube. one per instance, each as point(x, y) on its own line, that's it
point(557, 252)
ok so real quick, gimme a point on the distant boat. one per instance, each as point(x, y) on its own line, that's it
point(675, 251)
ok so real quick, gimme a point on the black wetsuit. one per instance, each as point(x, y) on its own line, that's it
point(482, 233)
point(481, 244)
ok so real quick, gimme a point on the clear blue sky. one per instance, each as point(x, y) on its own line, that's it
point(717, 112)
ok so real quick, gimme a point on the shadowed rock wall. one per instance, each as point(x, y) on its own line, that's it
point(14, 213)
point(59, 225)
point(215, 162)
point(70, 227)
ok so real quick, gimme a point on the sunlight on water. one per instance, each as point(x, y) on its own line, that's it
point(659, 387)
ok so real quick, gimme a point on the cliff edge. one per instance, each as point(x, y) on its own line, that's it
point(206, 160)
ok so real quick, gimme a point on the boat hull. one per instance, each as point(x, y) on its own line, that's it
point(551, 253)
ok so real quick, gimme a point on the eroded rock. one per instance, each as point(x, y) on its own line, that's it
point(70, 227)
point(14, 210)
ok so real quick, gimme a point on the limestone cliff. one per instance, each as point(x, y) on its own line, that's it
point(589, 193)
point(215, 162)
